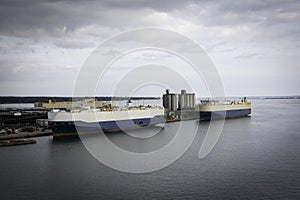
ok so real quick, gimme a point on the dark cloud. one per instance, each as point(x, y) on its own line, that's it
point(58, 17)
point(52, 35)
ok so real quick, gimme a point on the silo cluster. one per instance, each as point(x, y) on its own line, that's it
point(170, 101)
point(185, 100)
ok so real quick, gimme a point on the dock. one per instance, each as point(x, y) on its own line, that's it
point(16, 142)
point(25, 135)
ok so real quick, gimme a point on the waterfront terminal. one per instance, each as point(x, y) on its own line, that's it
point(175, 107)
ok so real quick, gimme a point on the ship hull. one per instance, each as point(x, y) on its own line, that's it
point(73, 128)
point(213, 115)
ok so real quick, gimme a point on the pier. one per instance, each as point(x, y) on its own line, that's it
point(16, 142)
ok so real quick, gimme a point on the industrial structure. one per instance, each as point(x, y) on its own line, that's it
point(170, 101)
point(180, 106)
point(186, 100)
point(173, 102)
point(69, 104)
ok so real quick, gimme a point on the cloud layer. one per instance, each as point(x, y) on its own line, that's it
point(254, 44)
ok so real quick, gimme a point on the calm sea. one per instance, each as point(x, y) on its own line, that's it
point(256, 157)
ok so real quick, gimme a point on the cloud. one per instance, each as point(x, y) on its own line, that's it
point(250, 55)
point(55, 37)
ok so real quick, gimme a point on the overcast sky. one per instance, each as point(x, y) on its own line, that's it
point(255, 45)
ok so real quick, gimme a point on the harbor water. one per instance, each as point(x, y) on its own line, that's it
point(256, 157)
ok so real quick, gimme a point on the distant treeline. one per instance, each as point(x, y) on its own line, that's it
point(274, 97)
point(14, 99)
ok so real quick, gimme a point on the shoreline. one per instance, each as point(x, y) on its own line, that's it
point(26, 135)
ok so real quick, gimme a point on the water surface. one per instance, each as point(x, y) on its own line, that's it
point(256, 157)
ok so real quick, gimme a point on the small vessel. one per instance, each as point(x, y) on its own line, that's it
point(108, 119)
point(17, 114)
point(212, 109)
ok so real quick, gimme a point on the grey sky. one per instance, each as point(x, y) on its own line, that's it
point(254, 44)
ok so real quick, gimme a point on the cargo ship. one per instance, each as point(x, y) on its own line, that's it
point(212, 109)
point(94, 120)
point(183, 107)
